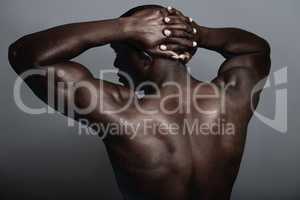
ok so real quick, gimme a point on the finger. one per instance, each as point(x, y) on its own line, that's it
point(195, 31)
point(182, 41)
point(178, 13)
point(181, 26)
point(178, 18)
point(178, 34)
point(186, 19)
point(173, 48)
point(177, 48)
point(181, 15)
point(175, 20)
point(167, 32)
point(172, 10)
point(170, 54)
point(188, 56)
point(183, 57)
point(164, 12)
point(164, 53)
point(163, 47)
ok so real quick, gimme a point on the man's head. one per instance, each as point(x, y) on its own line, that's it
point(133, 60)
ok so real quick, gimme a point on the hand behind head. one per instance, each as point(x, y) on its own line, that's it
point(161, 32)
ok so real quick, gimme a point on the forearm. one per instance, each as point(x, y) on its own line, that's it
point(231, 41)
point(239, 47)
point(64, 42)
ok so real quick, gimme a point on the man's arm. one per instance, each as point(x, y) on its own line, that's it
point(247, 60)
point(55, 47)
point(62, 43)
point(52, 50)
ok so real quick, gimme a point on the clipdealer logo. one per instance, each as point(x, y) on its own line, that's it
point(278, 123)
point(280, 120)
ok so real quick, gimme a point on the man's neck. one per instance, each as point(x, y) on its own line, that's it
point(166, 70)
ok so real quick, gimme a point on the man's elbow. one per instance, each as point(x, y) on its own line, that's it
point(13, 55)
point(266, 52)
point(19, 58)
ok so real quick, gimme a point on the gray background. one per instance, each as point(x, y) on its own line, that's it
point(41, 158)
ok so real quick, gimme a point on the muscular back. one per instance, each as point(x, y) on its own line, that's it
point(193, 153)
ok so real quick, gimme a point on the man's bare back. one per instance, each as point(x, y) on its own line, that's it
point(187, 137)
point(180, 156)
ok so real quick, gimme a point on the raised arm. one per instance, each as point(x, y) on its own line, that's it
point(50, 51)
point(62, 43)
point(245, 52)
point(54, 48)
point(247, 60)
point(239, 47)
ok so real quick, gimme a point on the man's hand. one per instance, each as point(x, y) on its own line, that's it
point(160, 32)
point(186, 53)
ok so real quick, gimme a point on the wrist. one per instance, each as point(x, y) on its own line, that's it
point(125, 28)
point(201, 35)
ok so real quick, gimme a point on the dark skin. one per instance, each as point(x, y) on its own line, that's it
point(157, 166)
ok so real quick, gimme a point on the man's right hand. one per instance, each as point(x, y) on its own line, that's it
point(153, 30)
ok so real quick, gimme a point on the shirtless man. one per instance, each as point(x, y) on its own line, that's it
point(153, 44)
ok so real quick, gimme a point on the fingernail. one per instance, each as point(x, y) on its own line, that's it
point(191, 19)
point(182, 57)
point(194, 30)
point(175, 57)
point(163, 47)
point(188, 56)
point(167, 32)
point(167, 19)
point(169, 8)
point(195, 43)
